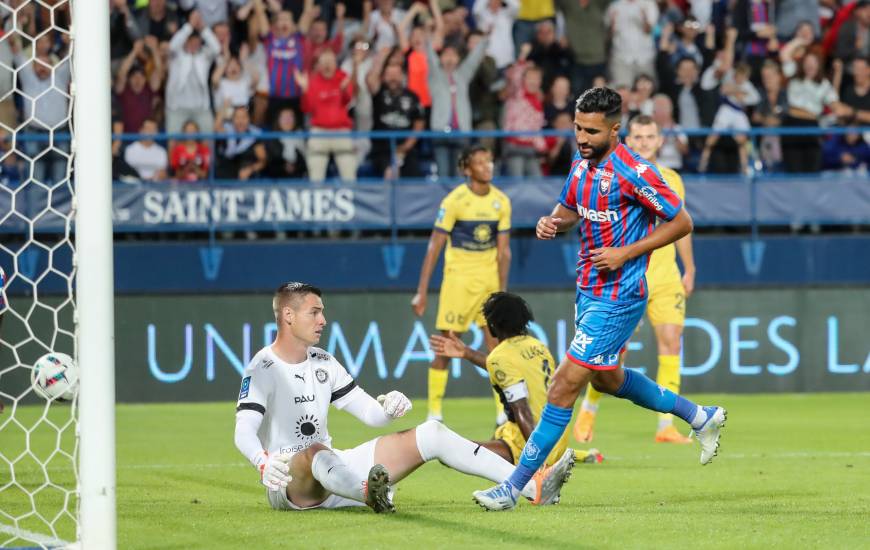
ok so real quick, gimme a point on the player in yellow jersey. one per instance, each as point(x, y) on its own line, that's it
point(519, 368)
point(474, 222)
point(666, 308)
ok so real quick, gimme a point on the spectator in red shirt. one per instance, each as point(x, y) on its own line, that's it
point(317, 40)
point(189, 159)
point(327, 92)
point(137, 95)
point(524, 111)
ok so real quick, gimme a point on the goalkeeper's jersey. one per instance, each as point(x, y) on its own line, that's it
point(294, 399)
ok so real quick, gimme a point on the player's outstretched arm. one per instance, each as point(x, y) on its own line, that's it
point(452, 346)
point(562, 219)
point(612, 258)
point(436, 244)
point(377, 413)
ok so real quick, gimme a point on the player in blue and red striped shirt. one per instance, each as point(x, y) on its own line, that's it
point(616, 197)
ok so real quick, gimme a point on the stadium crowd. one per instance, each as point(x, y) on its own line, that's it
point(248, 66)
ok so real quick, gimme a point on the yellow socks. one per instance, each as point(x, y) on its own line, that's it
point(668, 377)
point(590, 401)
point(437, 387)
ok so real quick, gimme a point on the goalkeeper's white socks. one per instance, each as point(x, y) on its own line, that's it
point(336, 477)
point(437, 441)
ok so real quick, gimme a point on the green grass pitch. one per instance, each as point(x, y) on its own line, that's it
point(793, 470)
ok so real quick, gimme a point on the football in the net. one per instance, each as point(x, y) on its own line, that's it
point(55, 376)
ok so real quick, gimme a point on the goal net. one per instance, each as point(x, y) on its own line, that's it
point(40, 440)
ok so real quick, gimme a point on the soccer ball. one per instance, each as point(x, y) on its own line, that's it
point(55, 376)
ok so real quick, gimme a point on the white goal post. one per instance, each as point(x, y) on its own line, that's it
point(57, 459)
point(90, 88)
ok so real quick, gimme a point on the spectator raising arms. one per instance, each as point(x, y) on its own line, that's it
point(395, 108)
point(283, 43)
point(190, 158)
point(192, 50)
point(524, 112)
point(451, 109)
point(137, 95)
point(327, 92)
point(496, 18)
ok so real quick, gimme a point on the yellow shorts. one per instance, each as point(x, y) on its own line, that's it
point(511, 434)
point(460, 302)
point(667, 303)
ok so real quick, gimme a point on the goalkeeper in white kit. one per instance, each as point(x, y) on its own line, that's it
point(281, 425)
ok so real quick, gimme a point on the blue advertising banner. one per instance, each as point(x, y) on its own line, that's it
point(302, 205)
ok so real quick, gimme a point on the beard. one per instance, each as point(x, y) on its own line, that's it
point(596, 152)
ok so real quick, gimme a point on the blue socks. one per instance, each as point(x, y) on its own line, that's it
point(642, 391)
point(550, 428)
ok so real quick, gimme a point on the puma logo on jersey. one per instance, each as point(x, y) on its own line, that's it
point(303, 399)
point(299, 376)
point(597, 215)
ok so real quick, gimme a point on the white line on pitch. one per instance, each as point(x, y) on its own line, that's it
point(44, 540)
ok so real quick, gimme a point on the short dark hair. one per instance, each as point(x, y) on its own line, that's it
point(291, 292)
point(600, 100)
point(642, 120)
point(467, 153)
point(507, 315)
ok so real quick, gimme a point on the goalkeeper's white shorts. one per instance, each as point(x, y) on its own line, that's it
point(360, 460)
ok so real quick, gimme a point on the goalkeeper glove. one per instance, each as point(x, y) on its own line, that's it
point(274, 470)
point(395, 404)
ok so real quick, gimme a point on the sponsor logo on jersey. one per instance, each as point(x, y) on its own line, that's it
point(299, 399)
point(321, 375)
point(597, 215)
point(321, 355)
point(307, 427)
point(246, 387)
point(581, 340)
point(651, 195)
point(441, 212)
point(266, 364)
point(612, 358)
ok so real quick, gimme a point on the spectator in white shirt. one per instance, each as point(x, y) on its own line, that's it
point(46, 83)
point(676, 143)
point(383, 23)
point(192, 50)
point(146, 156)
point(631, 23)
point(808, 93)
point(233, 85)
point(213, 11)
point(496, 18)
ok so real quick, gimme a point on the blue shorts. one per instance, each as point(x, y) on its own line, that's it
point(602, 328)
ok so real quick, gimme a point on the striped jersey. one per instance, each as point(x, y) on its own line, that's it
point(283, 59)
point(618, 202)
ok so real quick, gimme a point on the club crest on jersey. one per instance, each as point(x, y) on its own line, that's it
point(496, 205)
point(321, 375)
point(604, 181)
